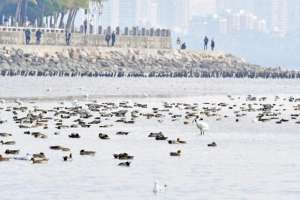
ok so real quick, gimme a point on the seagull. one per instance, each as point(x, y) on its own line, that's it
point(158, 188)
point(201, 125)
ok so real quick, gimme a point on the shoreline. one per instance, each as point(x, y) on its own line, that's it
point(33, 60)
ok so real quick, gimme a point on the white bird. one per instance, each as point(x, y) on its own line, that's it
point(158, 188)
point(201, 125)
point(75, 103)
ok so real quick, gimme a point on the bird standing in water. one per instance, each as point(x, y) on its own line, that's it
point(201, 125)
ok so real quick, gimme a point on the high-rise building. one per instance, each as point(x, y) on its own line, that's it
point(147, 13)
point(109, 14)
point(280, 17)
point(173, 14)
point(203, 7)
point(294, 16)
point(127, 13)
point(260, 8)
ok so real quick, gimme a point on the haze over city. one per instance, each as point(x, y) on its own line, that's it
point(262, 31)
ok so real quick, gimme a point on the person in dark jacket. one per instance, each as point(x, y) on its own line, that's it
point(38, 36)
point(85, 26)
point(183, 46)
point(68, 38)
point(113, 39)
point(107, 38)
point(212, 44)
point(206, 40)
point(27, 36)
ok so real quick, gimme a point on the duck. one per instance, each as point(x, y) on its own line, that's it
point(213, 144)
point(180, 141)
point(14, 152)
point(124, 164)
point(155, 134)
point(39, 135)
point(5, 134)
point(39, 158)
point(122, 133)
point(87, 153)
point(160, 137)
point(74, 135)
point(8, 142)
point(172, 141)
point(103, 136)
point(68, 158)
point(177, 153)
point(3, 158)
point(59, 148)
point(39, 155)
point(123, 156)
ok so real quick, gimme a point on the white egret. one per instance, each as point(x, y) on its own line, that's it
point(201, 125)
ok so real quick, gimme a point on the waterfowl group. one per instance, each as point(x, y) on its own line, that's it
point(115, 120)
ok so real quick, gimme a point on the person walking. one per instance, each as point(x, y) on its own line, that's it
point(206, 40)
point(68, 38)
point(107, 38)
point(113, 39)
point(27, 36)
point(212, 44)
point(85, 26)
point(38, 36)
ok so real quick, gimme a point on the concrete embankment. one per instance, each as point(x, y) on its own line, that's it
point(120, 62)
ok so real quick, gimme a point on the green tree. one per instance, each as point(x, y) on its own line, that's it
point(37, 9)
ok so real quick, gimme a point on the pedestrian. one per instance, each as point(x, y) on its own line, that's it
point(113, 39)
point(107, 38)
point(85, 26)
point(178, 42)
point(38, 36)
point(68, 38)
point(183, 46)
point(206, 40)
point(212, 44)
point(27, 36)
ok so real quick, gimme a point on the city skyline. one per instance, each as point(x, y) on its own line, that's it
point(278, 15)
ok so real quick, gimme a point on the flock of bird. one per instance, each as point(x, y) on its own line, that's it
point(32, 119)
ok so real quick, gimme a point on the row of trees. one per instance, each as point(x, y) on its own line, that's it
point(31, 10)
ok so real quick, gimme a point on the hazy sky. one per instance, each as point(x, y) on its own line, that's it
point(204, 6)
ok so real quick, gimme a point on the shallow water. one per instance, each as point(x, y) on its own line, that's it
point(253, 160)
point(57, 87)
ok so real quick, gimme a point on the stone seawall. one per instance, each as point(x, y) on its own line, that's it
point(57, 38)
point(125, 62)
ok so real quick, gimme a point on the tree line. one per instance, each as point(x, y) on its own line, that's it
point(22, 11)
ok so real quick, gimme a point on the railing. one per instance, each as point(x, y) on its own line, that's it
point(134, 31)
point(32, 29)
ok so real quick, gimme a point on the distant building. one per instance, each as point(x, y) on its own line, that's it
point(294, 16)
point(147, 13)
point(109, 15)
point(280, 17)
point(173, 14)
point(203, 7)
point(127, 13)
